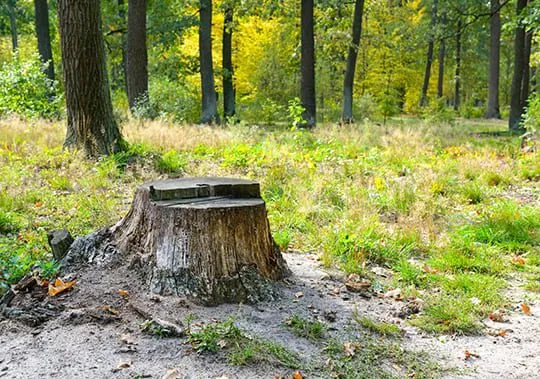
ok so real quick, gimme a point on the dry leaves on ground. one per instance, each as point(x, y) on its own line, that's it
point(60, 286)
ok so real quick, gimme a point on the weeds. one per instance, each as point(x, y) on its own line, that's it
point(312, 330)
point(411, 194)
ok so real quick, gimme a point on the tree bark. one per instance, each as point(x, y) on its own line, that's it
point(493, 110)
point(209, 97)
point(307, 65)
point(90, 122)
point(440, 79)
point(229, 106)
point(137, 56)
point(348, 83)
point(205, 238)
point(429, 60)
point(44, 37)
point(13, 24)
point(516, 110)
point(457, 94)
point(526, 81)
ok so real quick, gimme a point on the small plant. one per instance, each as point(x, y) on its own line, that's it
point(473, 193)
point(296, 111)
point(283, 239)
point(49, 269)
point(312, 330)
point(209, 337)
point(171, 162)
point(382, 328)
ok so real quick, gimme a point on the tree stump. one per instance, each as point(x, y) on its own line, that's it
point(207, 238)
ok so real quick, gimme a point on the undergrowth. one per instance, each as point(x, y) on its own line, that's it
point(460, 199)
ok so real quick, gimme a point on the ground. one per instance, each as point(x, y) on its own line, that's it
point(76, 345)
point(436, 225)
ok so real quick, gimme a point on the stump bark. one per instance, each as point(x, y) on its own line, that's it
point(206, 238)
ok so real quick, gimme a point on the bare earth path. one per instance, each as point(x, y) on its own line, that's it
point(78, 344)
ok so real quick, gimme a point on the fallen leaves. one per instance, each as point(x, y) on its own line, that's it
point(123, 293)
point(298, 375)
point(60, 286)
point(498, 332)
point(360, 286)
point(172, 373)
point(394, 294)
point(526, 309)
point(497, 316)
point(350, 348)
point(518, 260)
point(469, 355)
point(428, 269)
point(111, 310)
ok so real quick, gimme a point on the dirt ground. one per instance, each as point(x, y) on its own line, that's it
point(83, 342)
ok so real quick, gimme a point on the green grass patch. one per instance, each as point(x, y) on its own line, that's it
point(240, 348)
point(312, 330)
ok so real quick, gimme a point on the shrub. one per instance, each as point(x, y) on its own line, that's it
point(26, 91)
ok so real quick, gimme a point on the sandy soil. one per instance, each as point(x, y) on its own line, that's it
point(84, 341)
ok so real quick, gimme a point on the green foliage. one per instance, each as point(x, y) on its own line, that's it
point(312, 330)
point(382, 328)
point(531, 119)
point(363, 356)
point(207, 338)
point(26, 91)
point(296, 111)
point(241, 348)
point(171, 162)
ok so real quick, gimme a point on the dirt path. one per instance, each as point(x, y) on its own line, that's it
point(79, 344)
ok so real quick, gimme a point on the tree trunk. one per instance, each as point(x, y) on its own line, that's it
point(348, 83)
point(90, 122)
point(136, 57)
point(516, 110)
point(307, 65)
point(229, 107)
point(494, 61)
point(209, 97)
point(205, 238)
point(13, 24)
point(440, 79)
point(525, 82)
point(457, 94)
point(429, 60)
point(44, 37)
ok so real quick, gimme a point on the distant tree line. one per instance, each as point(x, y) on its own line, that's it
point(444, 25)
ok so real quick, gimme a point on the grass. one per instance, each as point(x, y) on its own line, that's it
point(382, 328)
point(460, 198)
point(312, 330)
point(371, 357)
point(239, 347)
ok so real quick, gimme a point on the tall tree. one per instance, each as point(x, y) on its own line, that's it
point(43, 36)
point(348, 83)
point(525, 82)
point(90, 122)
point(494, 60)
point(12, 10)
point(208, 88)
point(442, 56)
point(229, 107)
point(136, 57)
point(429, 60)
point(457, 90)
point(516, 110)
point(307, 64)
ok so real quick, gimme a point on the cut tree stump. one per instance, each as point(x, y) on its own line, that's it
point(205, 238)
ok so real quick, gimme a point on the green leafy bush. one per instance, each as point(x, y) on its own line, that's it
point(26, 91)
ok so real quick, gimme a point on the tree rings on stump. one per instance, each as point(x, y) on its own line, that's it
point(207, 238)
